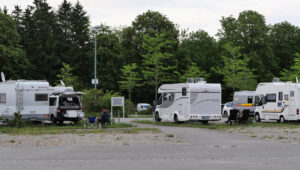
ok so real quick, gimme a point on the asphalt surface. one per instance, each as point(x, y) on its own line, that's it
point(200, 149)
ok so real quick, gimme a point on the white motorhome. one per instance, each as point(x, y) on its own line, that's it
point(199, 101)
point(244, 100)
point(65, 104)
point(30, 98)
point(277, 101)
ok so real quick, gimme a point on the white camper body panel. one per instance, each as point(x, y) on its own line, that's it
point(278, 99)
point(200, 101)
point(30, 98)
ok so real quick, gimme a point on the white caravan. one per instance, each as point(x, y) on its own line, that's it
point(244, 100)
point(277, 101)
point(30, 98)
point(199, 101)
point(65, 104)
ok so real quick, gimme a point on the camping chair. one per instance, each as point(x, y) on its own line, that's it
point(244, 117)
point(91, 122)
point(233, 116)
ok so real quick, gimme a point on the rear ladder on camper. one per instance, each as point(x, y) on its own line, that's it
point(19, 93)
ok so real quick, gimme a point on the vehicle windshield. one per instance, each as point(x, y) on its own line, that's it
point(230, 104)
point(145, 106)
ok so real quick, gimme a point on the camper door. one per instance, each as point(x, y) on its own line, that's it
point(271, 108)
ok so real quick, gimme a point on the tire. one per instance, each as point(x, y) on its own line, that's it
point(53, 120)
point(157, 117)
point(61, 122)
point(281, 119)
point(176, 119)
point(257, 117)
point(225, 113)
point(75, 121)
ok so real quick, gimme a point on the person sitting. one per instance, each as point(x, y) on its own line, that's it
point(104, 118)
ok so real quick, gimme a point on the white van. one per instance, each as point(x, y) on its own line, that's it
point(277, 101)
point(199, 101)
point(142, 106)
point(28, 97)
point(65, 105)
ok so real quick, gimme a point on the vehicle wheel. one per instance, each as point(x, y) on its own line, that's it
point(257, 118)
point(281, 119)
point(61, 122)
point(205, 122)
point(53, 119)
point(75, 121)
point(157, 117)
point(176, 119)
point(225, 113)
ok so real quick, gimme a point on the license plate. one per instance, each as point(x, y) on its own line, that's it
point(72, 113)
point(205, 117)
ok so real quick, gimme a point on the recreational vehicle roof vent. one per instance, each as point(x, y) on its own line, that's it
point(190, 80)
point(199, 79)
point(276, 79)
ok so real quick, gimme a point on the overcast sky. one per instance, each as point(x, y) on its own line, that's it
point(192, 14)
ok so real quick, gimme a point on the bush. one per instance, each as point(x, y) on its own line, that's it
point(17, 121)
point(102, 100)
point(94, 107)
point(146, 112)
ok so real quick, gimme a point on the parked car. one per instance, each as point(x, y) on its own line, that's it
point(142, 106)
point(227, 107)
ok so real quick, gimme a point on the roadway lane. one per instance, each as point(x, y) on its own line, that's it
point(201, 149)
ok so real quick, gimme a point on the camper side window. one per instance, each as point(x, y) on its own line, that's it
point(271, 98)
point(2, 98)
point(286, 97)
point(172, 96)
point(52, 101)
point(41, 97)
point(184, 91)
point(280, 96)
point(250, 99)
point(292, 93)
point(165, 96)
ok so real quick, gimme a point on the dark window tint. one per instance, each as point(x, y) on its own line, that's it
point(250, 99)
point(280, 96)
point(165, 96)
point(52, 101)
point(271, 98)
point(184, 91)
point(2, 98)
point(41, 97)
point(286, 97)
point(292, 93)
point(256, 100)
point(172, 96)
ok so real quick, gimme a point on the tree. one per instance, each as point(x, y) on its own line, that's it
point(284, 38)
point(129, 79)
point(81, 52)
point(192, 72)
point(293, 72)
point(250, 32)
point(199, 48)
point(157, 62)
point(13, 60)
point(237, 75)
point(66, 76)
point(109, 60)
point(65, 34)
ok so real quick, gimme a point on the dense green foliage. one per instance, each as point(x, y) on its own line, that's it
point(39, 42)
